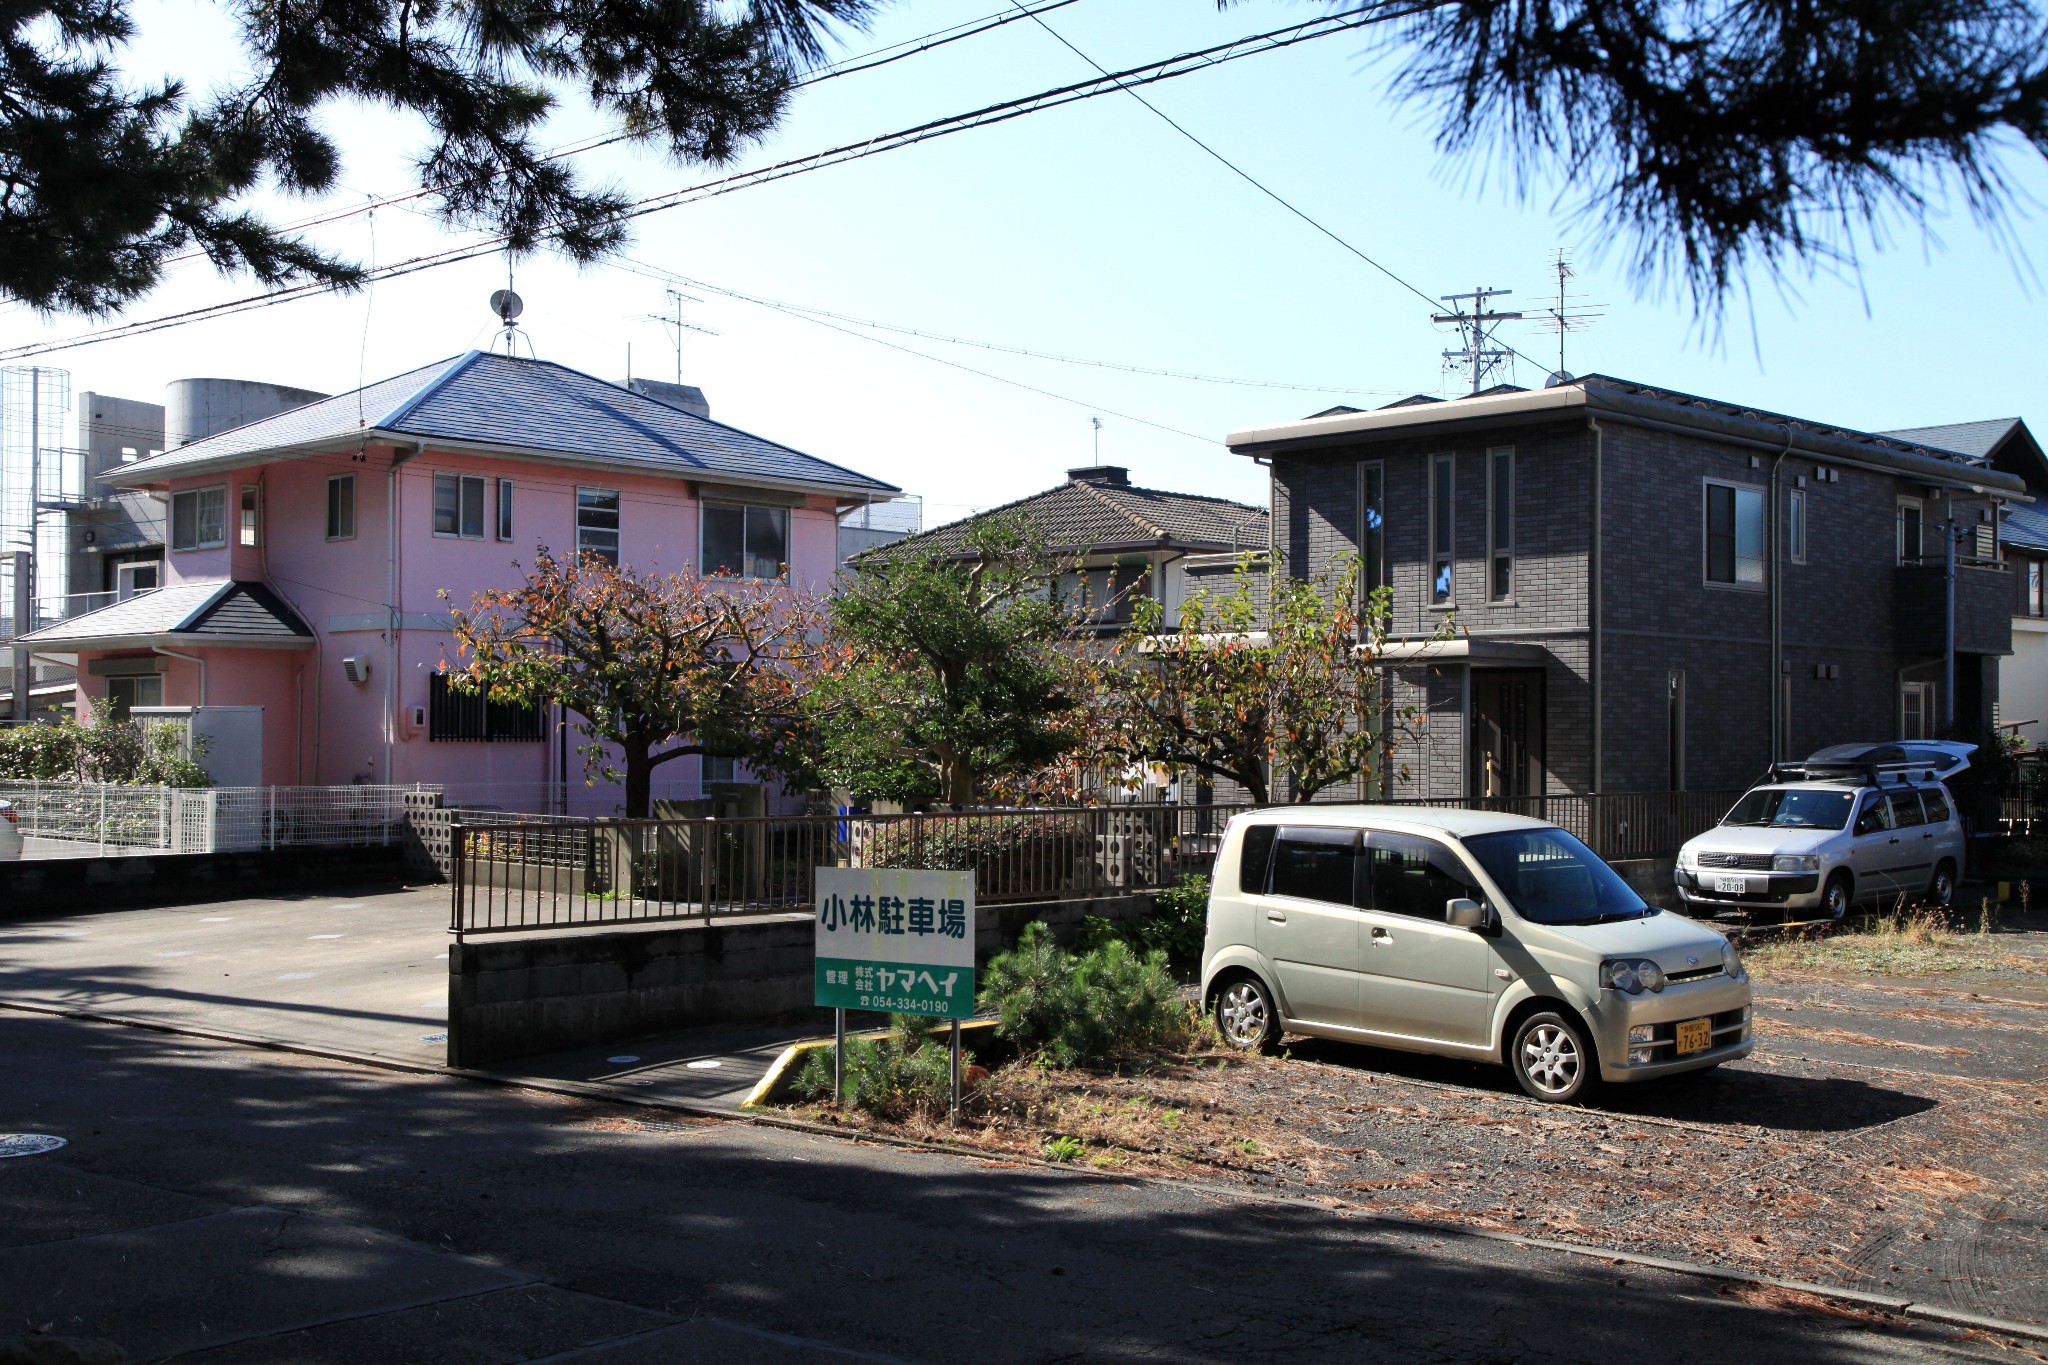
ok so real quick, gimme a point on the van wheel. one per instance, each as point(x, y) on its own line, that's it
point(1834, 902)
point(1941, 892)
point(1552, 1058)
point(1245, 1015)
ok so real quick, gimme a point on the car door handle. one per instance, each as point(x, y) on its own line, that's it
point(1382, 935)
point(1277, 916)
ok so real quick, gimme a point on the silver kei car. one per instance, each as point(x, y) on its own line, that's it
point(1466, 934)
point(1822, 845)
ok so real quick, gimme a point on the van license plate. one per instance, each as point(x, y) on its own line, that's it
point(1694, 1035)
point(1736, 885)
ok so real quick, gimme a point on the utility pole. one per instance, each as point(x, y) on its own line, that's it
point(24, 611)
point(1949, 533)
point(1476, 353)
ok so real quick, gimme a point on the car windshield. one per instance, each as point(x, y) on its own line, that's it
point(1792, 809)
point(1551, 878)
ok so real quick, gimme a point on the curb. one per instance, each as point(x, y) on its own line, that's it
point(1861, 1299)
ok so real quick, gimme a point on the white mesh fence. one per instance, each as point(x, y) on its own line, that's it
point(83, 819)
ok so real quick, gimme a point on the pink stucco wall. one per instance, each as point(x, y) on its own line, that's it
point(319, 727)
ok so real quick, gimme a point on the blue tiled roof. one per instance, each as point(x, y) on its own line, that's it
point(531, 406)
point(1975, 439)
point(220, 610)
point(2025, 526)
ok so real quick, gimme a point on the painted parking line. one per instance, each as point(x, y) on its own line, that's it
point(298, 976)
point(321, 936)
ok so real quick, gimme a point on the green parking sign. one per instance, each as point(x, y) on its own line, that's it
point(895, 940)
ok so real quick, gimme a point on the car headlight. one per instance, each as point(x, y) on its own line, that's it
point(1688, 859)
point(1632, 975)
point(1796, 862)
point(1731, 961)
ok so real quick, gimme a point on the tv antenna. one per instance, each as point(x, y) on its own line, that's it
point(678, 298)
point(1476, 352)
point(1565, 317)
point(1096, 423)
point(507, 304)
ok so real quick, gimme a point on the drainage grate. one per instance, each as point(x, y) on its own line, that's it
point(28, 1144)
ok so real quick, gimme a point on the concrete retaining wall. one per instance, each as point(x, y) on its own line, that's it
point(1653, 879)
point(516, 996)
point(37, 888)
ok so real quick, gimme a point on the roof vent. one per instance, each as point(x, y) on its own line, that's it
point(1110, 475)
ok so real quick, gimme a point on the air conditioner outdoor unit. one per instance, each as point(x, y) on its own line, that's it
point(357, 669)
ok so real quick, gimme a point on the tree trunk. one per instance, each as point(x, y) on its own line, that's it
point(959, 778)
point(639, 780)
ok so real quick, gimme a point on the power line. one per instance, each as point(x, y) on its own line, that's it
point(786, 307)
point(1166, 69)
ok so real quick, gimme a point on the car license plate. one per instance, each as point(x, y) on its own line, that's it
point(1737, 885)
point(1694, 1035)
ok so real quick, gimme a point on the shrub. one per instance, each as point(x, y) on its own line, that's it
point(100, 749)
point(907, 1071)
point(1099, 1006)
point(1179, 921)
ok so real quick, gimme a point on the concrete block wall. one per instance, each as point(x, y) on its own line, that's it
point(517, 996)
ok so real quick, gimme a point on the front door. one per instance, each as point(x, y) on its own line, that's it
point(1307, 926)
point(1420, 977)
point(1507, 732)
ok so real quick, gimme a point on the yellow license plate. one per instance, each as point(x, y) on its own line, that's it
point(1694, 1035)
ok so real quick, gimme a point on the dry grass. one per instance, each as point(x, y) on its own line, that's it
point(1902, 943)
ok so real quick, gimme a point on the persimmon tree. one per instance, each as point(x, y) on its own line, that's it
point(656, 666)
point(1231, 688)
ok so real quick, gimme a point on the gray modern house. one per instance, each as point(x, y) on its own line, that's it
point(1634, 611)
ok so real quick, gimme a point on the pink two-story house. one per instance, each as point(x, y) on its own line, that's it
point(307, 554)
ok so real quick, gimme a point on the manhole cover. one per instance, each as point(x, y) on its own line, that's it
point(703, 1066)
point(28, 1144)
point(621, 1061)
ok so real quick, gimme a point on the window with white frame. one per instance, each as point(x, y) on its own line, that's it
point(1500, 523)
point(597, 524)
point(504, 509)
point(745, 542)
point(199, 518)
point(137, 576)
point(1795, 524)
point(2033, 601)
point(250, 501)
point(1734, 534)
point(124, 694)
point(1912, 530)
point(1442, 486)
point(341, 507)
point(459, 506)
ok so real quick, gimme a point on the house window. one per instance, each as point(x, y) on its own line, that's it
point(2031, 601)
point(1795, 524)
point(137, 576)
point(1441, 486)
point(1734, 534)
point(142, 689)
point(746, 542)
point(504, 509)
point(459, 505)
point(248, 521)
point(199, 519)
point(1500, 523)
point(456, 715)
point(1372, 528)
point(1912, 525)
point(1916, 710)
point(341, 507)
point(597, 524)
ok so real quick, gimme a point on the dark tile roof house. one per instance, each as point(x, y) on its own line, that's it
point(517, 406)
point(224, 612)
point(1099, 510)
point(2002, 443)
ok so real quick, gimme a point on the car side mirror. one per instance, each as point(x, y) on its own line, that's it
point(1465, 914)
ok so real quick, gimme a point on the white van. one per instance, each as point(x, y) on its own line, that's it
point(1467, 934)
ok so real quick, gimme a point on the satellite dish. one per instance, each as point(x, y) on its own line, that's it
point(1558, 378)
point(507, 305)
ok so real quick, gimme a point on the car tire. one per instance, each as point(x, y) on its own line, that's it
point(1553, 1058)
point(1941, 892)
point(1836, 899)
point(1246, 1015)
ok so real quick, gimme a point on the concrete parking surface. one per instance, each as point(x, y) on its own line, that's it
point(222, 1205)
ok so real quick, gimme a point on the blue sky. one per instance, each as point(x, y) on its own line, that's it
point(1092, 231)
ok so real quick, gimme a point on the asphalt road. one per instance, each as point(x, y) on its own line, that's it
point(218, 1204)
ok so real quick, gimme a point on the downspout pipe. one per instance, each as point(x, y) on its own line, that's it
point(190, 659)
point(393, 617)
point(1593, 599)
point(1774, 514)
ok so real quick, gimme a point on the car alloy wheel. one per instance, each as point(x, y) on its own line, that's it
point(1244, 1014)
point(1552, 1059)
